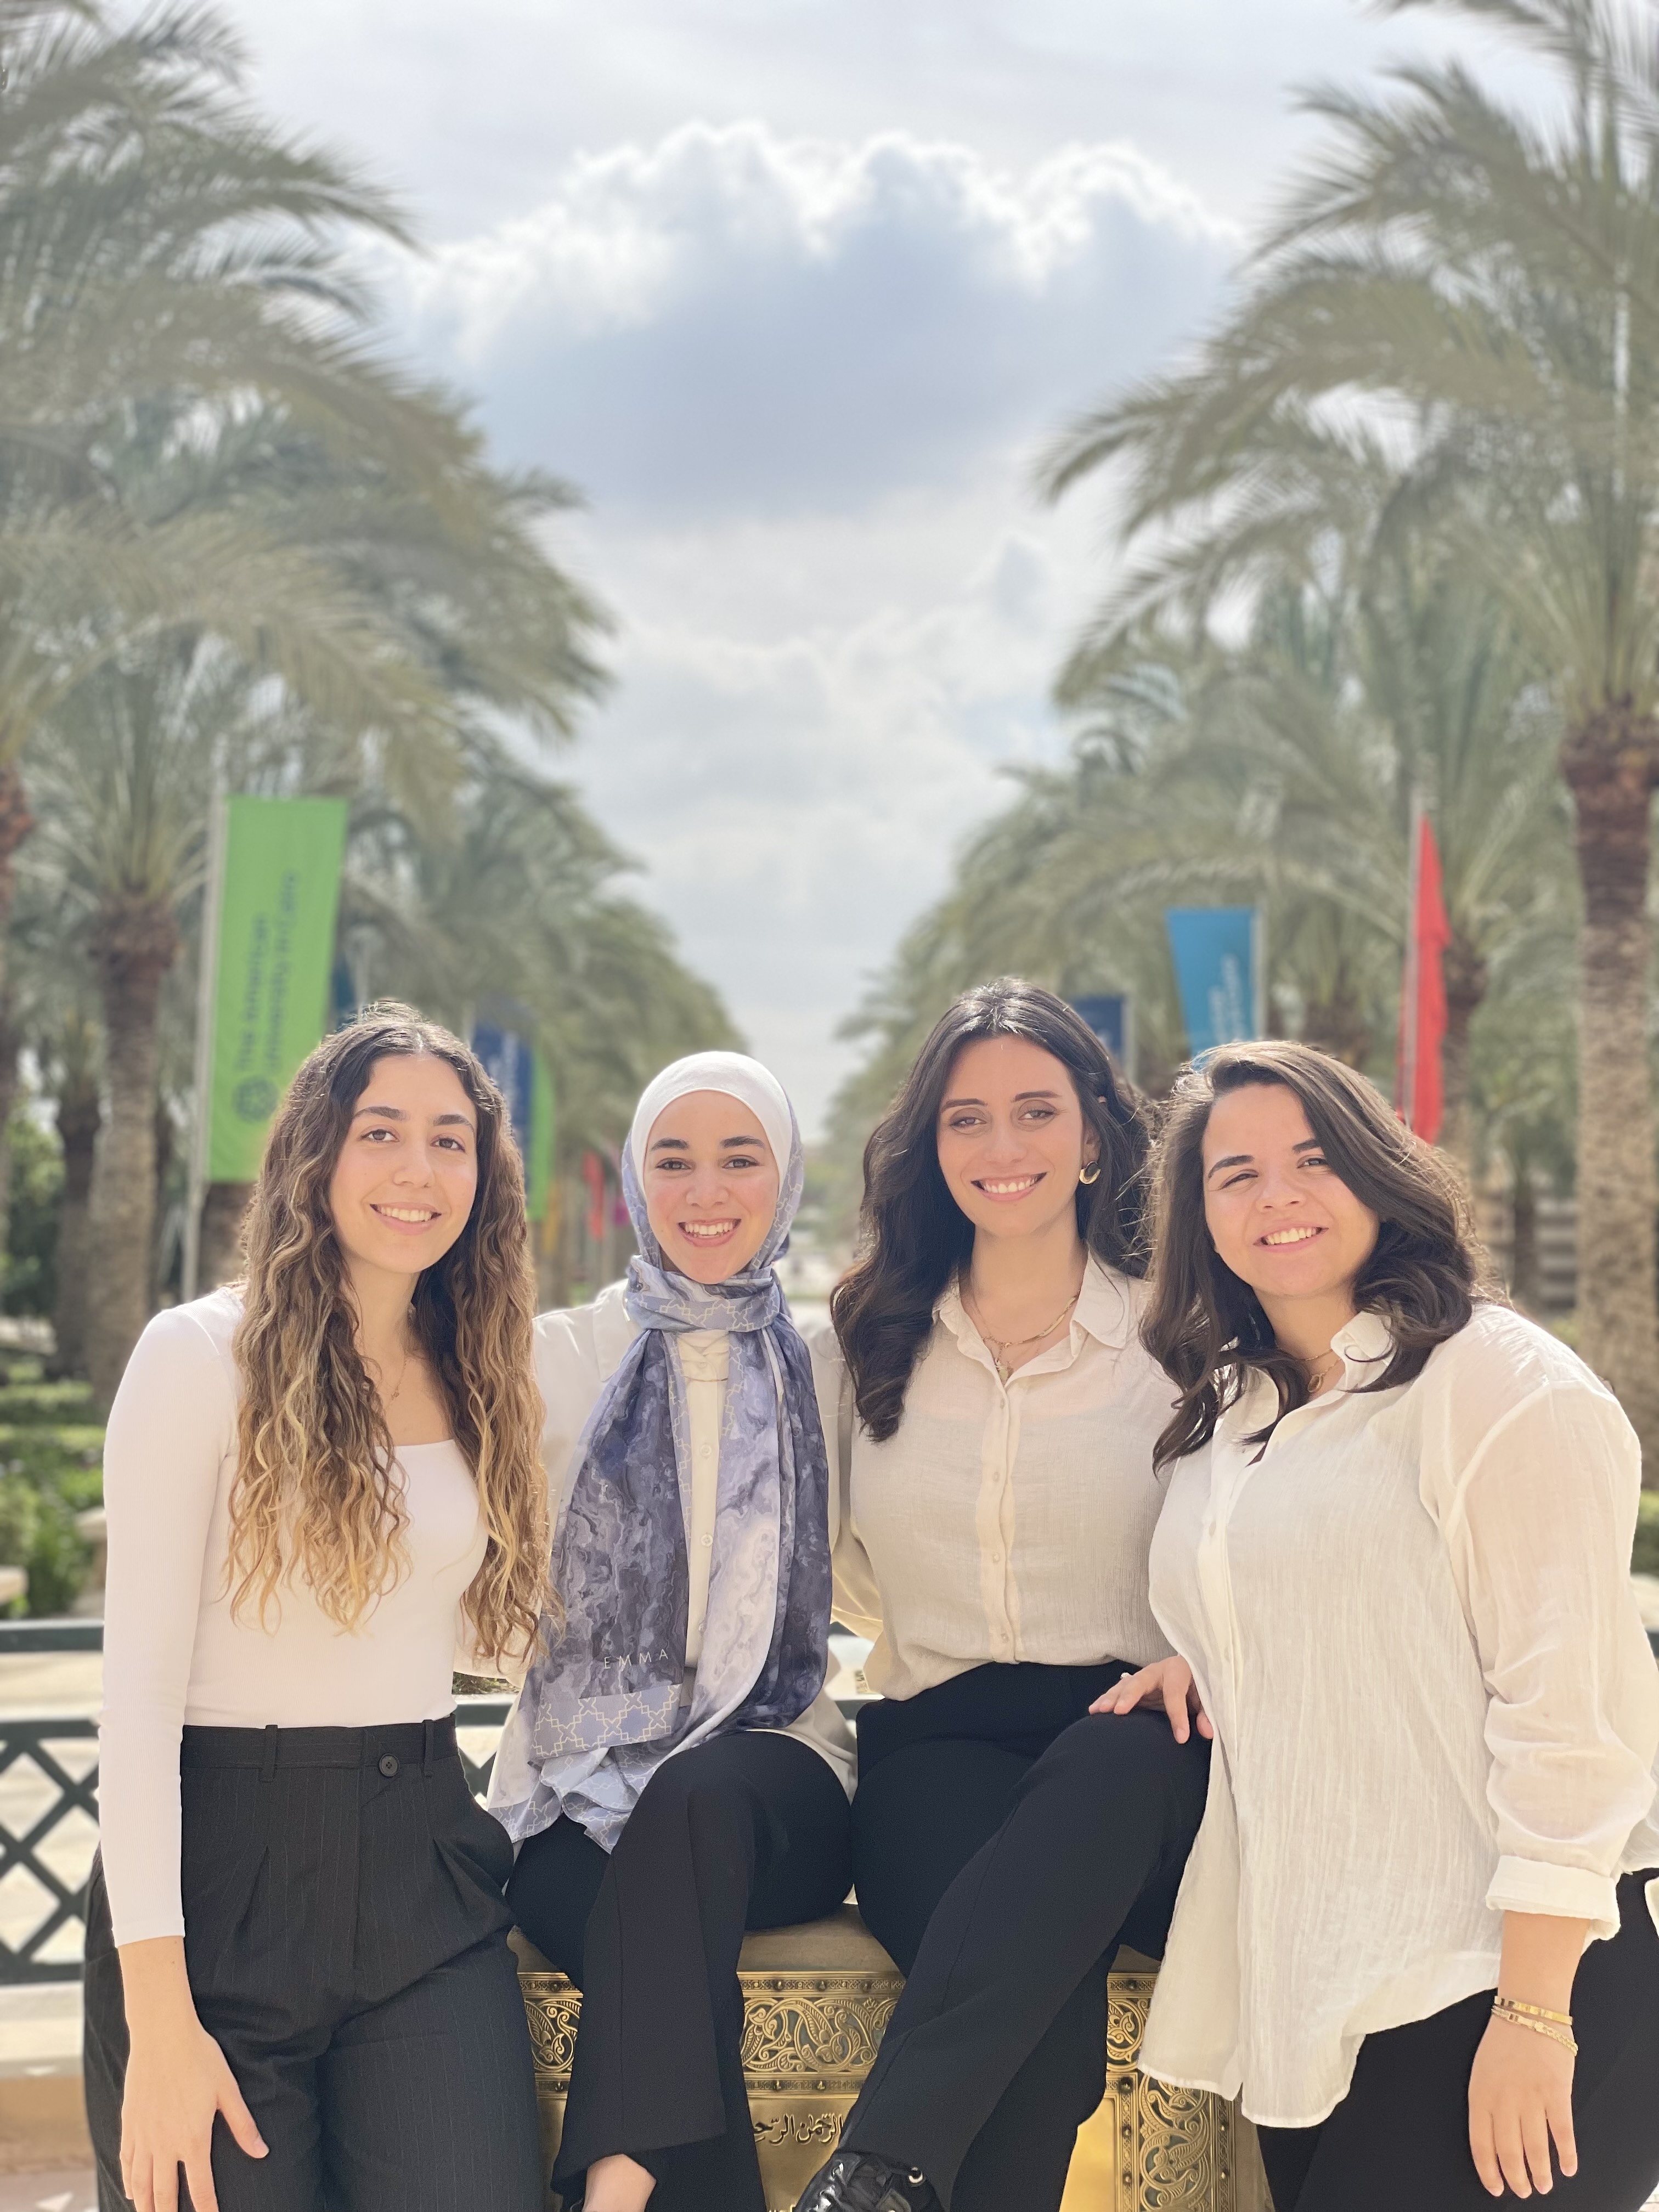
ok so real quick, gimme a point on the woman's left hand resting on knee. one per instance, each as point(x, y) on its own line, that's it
point(1167, 1682)
point(1520, 2087)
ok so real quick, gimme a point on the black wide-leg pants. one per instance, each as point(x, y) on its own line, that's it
point(1006, 1842)
point(345, 1937)
point(749, 1831)
point(1400, 2137)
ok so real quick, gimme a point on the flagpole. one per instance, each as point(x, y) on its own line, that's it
point(207, 984)
point(1412, 978)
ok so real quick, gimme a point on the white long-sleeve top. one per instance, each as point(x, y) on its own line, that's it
point(172, 1652)
point(1410, 1619)
point(578, 1350)
point(1003, 1521)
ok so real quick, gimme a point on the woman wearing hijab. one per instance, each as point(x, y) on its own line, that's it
point(673, 1772)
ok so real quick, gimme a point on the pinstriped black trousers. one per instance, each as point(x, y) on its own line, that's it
point(345, 1936)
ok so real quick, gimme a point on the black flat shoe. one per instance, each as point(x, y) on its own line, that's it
point(853, 2181)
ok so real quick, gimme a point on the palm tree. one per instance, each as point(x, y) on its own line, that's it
point(1494, 279)
point(129, 761)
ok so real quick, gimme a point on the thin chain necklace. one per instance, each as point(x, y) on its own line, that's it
point(389, 1398)
point(1317, 1377)
point(999, 1346)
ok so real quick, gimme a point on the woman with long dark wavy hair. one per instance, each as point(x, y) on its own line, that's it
point(1418, 1927)
point(994, 1414)
point(323, 1488)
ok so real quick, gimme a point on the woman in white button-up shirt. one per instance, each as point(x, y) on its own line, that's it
point(673, 1769)
point(994, 1415)
point(1395, 1562)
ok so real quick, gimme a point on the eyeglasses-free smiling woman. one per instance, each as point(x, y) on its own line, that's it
point(324, 1495)
point(673, 1770)
point(1418, 1926)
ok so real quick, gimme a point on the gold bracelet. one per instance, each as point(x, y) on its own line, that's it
point(1533, 2012)
point(1539, 2027)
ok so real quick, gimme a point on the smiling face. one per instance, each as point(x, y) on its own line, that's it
point(407, 1172)
point(1282, 1219)
point(710, 1183)
point(1012, 1140)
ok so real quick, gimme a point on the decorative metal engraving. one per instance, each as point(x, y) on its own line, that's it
point(552, 2009)
point(814, 2024)
point(808, 2043)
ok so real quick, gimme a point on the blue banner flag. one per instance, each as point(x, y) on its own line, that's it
point(510, 1063)
point(1107, 1014)
point(1218, 964)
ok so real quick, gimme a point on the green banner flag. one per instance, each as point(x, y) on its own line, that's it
point(272, 951)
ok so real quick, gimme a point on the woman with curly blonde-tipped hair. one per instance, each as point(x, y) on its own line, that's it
point(324, 1493)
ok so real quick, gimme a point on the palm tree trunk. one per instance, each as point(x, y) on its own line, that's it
point(15, 822)
point(80, 1110)
point(1526, 1283)
point(135, 943)
point(1465, 972)
point(1336, 1023)
point(1612, 763)
point(220, 1258)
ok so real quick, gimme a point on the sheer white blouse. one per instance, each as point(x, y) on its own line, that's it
point(1003, 1521)
point(1410, 1618)
point(173, 1653)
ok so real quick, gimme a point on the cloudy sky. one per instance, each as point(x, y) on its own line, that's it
point(795, 290)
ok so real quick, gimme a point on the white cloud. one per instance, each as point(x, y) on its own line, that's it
point(732, 321)
point(802, 739)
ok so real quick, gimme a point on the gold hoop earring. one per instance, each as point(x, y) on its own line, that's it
point(1090, 1173)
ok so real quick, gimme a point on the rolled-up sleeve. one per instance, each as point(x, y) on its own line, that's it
point(1540, 1523)
point(171, 1428)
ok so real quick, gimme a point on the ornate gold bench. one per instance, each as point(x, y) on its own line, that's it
point(817, 2000)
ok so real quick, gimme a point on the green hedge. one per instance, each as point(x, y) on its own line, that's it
point(52, 1455)
point(1645, 1557)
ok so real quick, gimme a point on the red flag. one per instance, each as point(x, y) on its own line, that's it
point(593, 1176)
point(1423, 995)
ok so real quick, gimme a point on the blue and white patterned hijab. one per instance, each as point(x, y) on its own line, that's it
point(605, 1706)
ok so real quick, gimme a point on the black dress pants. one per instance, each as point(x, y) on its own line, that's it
point(1006, 1842)
point(747, 1831)
point(1400, 2137)
point(345, 1937)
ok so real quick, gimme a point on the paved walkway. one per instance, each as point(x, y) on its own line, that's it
point(49, 2192)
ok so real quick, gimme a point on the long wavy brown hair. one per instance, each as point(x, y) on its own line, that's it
point(1206, 1328)
point(315, 1493)
point(914, 1236)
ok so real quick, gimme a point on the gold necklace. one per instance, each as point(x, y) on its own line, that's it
point(1316, 1378)
point(997, 1346)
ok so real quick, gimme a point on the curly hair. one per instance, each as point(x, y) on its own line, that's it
point(1207, 1328)
point(914, 1236)
point(315, 1492)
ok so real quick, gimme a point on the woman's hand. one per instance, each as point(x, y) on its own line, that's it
point(1520, 2095)
point(1167, 1682)
point(1521, 2084)
point(177, 2080)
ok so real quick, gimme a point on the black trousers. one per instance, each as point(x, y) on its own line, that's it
point(345, 1936)
point(749, 1831)
point(1400, 2137)
point(1004, 1843)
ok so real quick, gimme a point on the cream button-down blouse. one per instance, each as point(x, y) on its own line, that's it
point(1002, 1522)
point(1410, 1618)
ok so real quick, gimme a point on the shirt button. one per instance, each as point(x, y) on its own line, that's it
point(388, 1765)
point(996, 1558)
point(702, 1451)
point(708, 1539)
